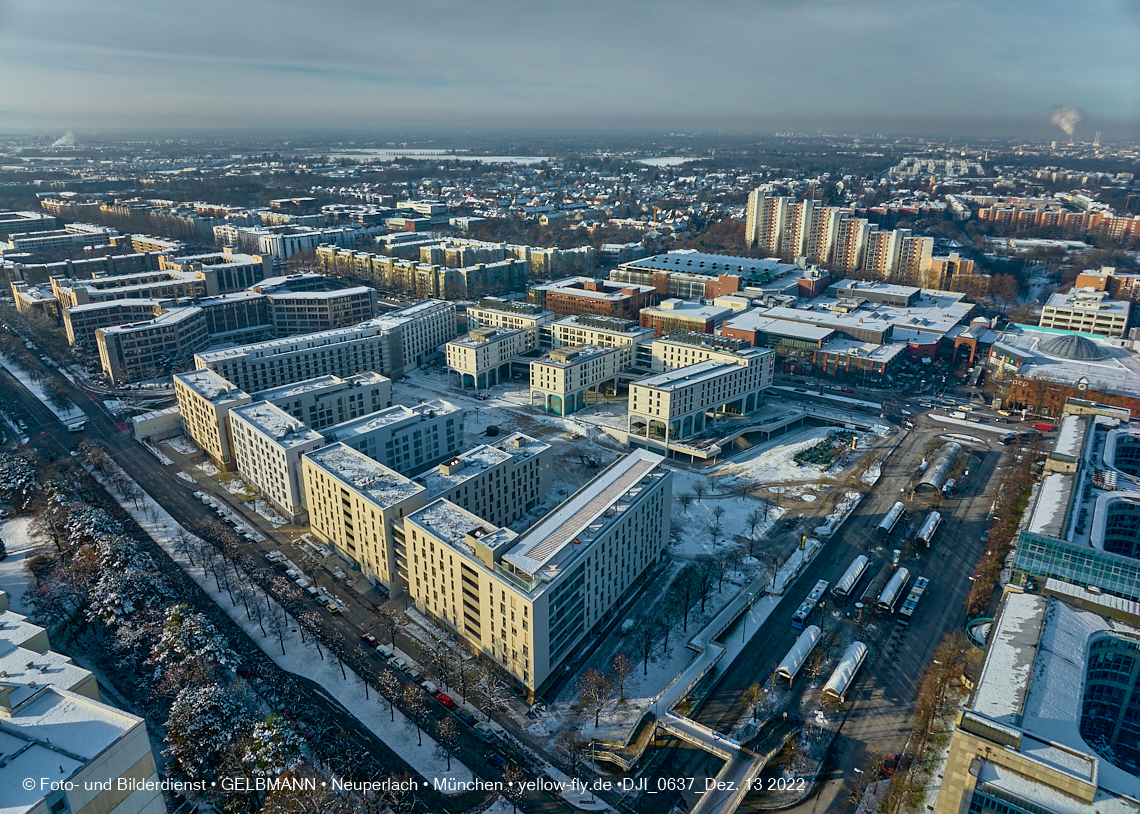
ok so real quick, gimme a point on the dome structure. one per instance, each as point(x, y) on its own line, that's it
point(1072, 346)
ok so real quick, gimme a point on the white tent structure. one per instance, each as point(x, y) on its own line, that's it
point(799, 653)
point(840, 682)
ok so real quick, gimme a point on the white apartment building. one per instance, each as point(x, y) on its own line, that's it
point(70, 236)
point(358, 505)
point(764, 223)
point(669, 407)
point(563, 380)
point(604, 332)
point(327, 400)
point(406, 439)
point(204, 402)
point(145, 350)
point(492, 312)
point(850, 244)
point(54, 725)
point(389, 344)
point(482, 359)
point(267, 445)
point(1087, 311)
point(526, 601)
point(683, 348)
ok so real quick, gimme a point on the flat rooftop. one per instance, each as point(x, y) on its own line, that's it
point(693, 262)
point(1079, 299)
point(1117, 372)
point(760, 320)
point(171, 317)
point(340, 293)
point(274, 422)
point(375, 481)
point(474, 462)
point(690, 374)
point(209, 385)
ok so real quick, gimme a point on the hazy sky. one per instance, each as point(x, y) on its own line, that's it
point(895, 66)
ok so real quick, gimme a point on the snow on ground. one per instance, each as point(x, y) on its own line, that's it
point(691, 526)
point(772, 462)
point(207, 469)
point(72, 415)
point(965, 439)
point(236, 486)
point(872, 474)
point(842, 511)
point(185, 476)
point(162, 458)
point(21, 545)
point(182, 444)
point(974, 425)
point(114, 406)
point(265, 510)
point(400, 736)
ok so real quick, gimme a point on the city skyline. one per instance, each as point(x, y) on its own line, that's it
point(938, 69)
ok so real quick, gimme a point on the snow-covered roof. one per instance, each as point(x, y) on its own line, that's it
point(688, 375)
point(1012, 647)
point(1052, 500)
point(372, 480)
point(54, 734)
point(209, 385)
point(389, 417)
point(47, 669)
point(285, 430)
point(1071, 437)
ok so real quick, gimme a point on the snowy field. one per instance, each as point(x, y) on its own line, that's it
point(21, 545)
point(183, 445)
point(773, 462)
point(72, 415)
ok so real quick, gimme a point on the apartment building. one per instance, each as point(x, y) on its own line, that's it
point(683, 348)
point(1052, 722)
point(588, 295)
point(224, 271)
point(675, 314)
point(327, 400)
point(267, 447)
point(916, 255)
point(1086, 311)
point(881, 255)
point(492, 312)
point(851, 237)
point(144, 350)
point(605, 332)
point(281, 242)
point(764, 222)
point(823, 232)
point(669, 407)
point(20, 223)
point(88, 267)
point(301, 312)
point(54, 725)
point(358, 504)
point(240, 317)
point(389, 344)
point(1120, 285)
point(405, 439)
point(69, 237)
point(204, 403)
point(526, 601)
point(564, 379)
point(500, 482)
point(36, 299)
point(482, 359)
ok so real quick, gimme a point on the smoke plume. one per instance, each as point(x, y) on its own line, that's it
point(66, 140)
point(1067, 118)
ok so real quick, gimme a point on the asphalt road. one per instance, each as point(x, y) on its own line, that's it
point(879, 720)
point(48, 437)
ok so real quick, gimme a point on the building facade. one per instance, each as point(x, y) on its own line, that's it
point(482, 359)
point(267, 447)
point(563, 380)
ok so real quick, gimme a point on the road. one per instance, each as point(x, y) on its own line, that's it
point(51, 440)
point(881, 711)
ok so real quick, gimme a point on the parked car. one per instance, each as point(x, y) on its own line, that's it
point(399, 663)
point(847, 390)
point(430, 688)
point(331, 608)
point(485, 731)
point(464, 715)
point(444, 699)
point(496, 760)
point(369, 640)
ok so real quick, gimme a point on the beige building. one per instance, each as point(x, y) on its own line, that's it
point(268, 444)
point(683, 348)
point(1086, 311)
point(53, 725)
point(1052, 723)
point(492, 312)
point(526, 601)
point(328, 400)
point(358, 505)
point(407, 439)
point(564, 380)
point(669, 407)
point(482, 359)
point(204, 402)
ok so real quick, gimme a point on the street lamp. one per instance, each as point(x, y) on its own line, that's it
point(857, 770)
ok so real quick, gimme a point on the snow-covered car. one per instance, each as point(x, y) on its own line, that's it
point(369, 639)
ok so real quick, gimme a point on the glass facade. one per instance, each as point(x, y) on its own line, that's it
point(990, 799)
point(1041, 557)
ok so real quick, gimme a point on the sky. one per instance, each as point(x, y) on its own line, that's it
point(915, 67)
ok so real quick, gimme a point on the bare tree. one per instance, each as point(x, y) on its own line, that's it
point(718, 512)
point(705, 573)
point(447, 738)
point(714, 531)
point(622, 670)
point(595, 690)
point(668, 611)
point(415, 709)
point(390, 621)
point(755, 517)
point(700, 489)
point(743, 487)
point(684, 588)
point(685, 498)
point(644, 638)
point(752, 696)
point(388, 685)
point(278, 625)
point(513, 789)
point(577, 748)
